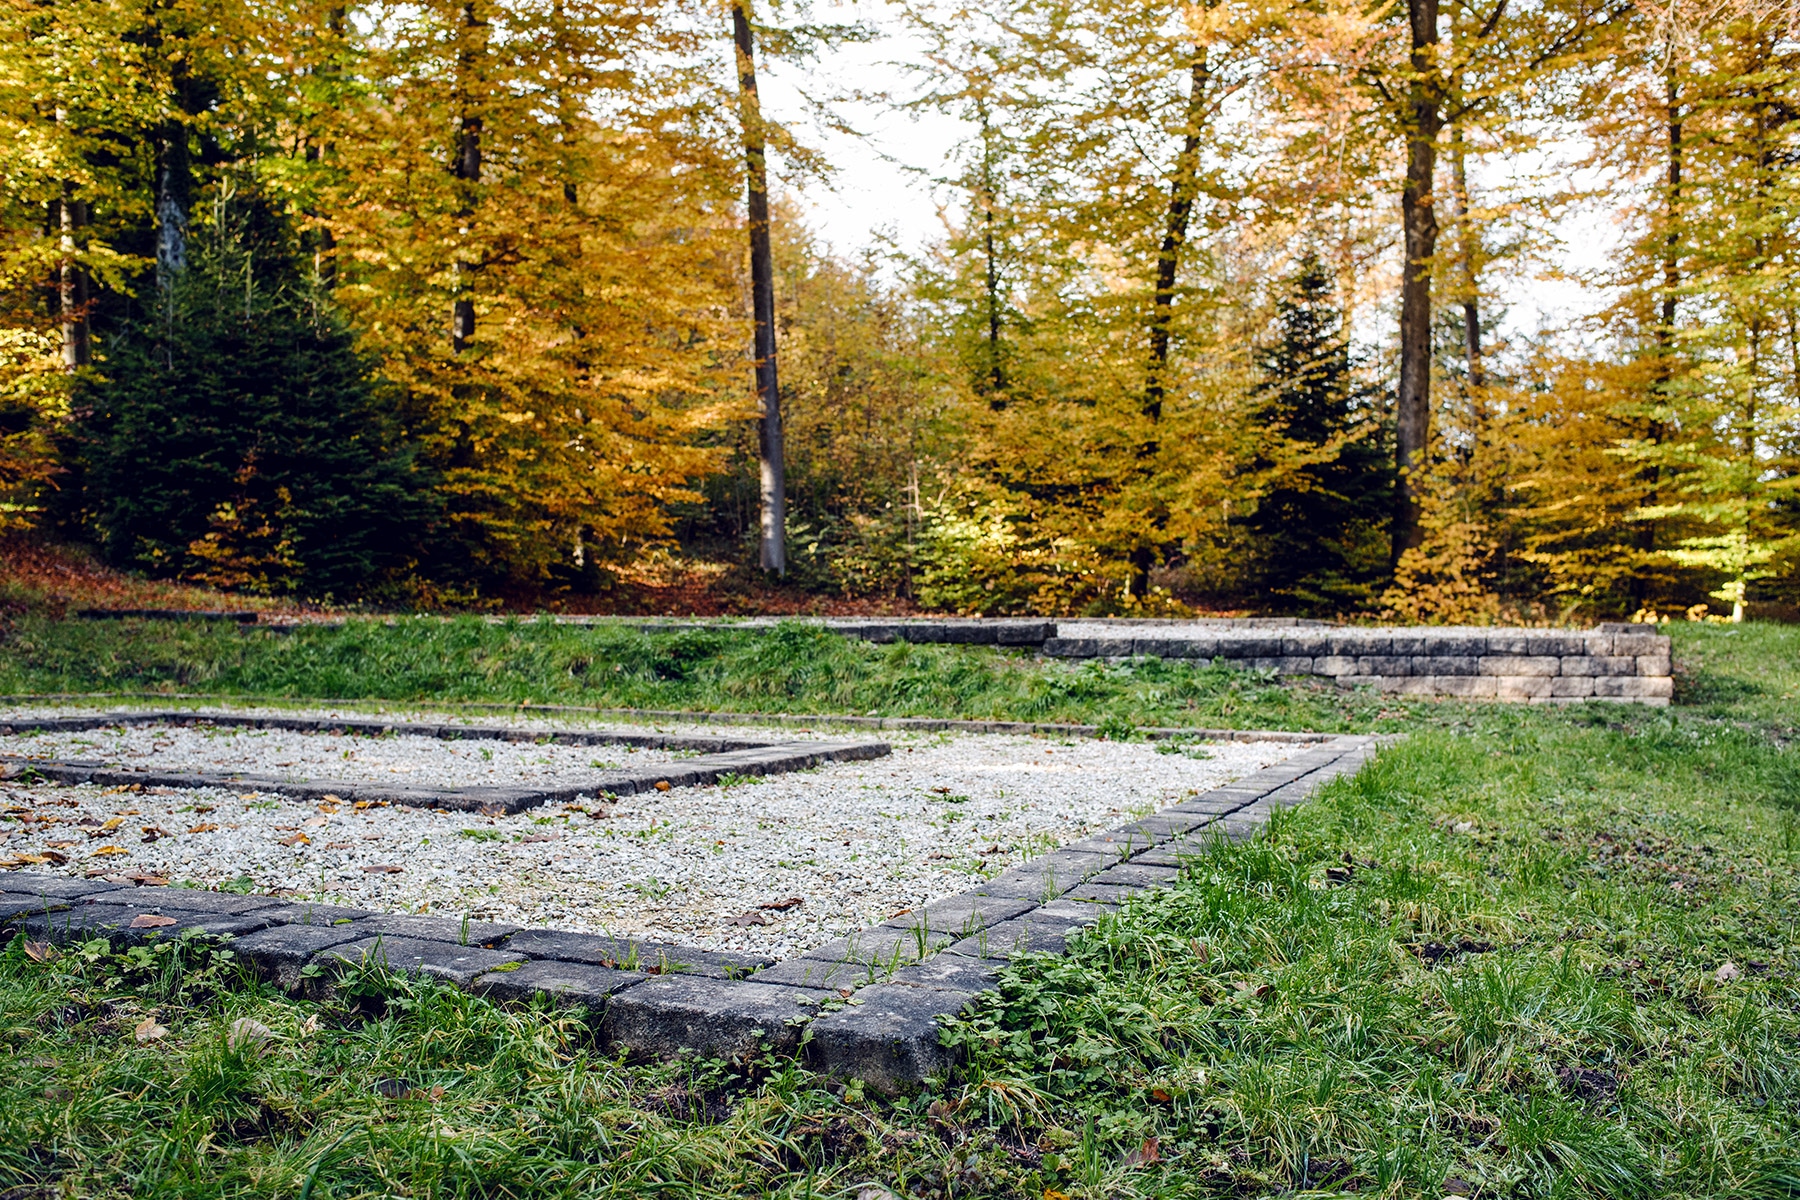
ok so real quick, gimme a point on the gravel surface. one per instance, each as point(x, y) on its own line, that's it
point(303, 757)
point(715, 867)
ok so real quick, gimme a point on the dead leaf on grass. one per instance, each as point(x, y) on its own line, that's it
point(1727, 973)
point(1144, 1155)
point(40, 951)
point(247, 1034)
point(149, 1031)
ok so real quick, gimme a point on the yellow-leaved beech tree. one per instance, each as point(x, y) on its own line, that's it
point(527, 210)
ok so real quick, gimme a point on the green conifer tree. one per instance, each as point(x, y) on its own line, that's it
point(1322, 529)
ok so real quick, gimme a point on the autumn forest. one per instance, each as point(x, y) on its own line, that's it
point(1436, 310)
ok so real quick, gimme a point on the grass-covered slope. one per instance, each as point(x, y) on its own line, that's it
point(1527, 953)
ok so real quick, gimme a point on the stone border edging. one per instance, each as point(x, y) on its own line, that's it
point(894, 981)
point(725, 756)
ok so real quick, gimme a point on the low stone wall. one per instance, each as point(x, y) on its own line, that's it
point(1611, 662)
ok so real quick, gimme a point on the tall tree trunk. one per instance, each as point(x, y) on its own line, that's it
point(174, 193)
point(996, 370)
point(770, 451)
point(1184, 186)
point(1469, 246)
point(1665, 330)
point(467, 169)
point(72, 285)
point(1424, 119)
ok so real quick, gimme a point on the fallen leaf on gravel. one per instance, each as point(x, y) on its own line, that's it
point(315, 822)
point(753, 918)
point(39, 951)
point(782, 905)
point(112, 823)
point(662, 785)
point(148, 1030)
point(147, 880)
point(151, 921)
point(1727, 973)
point(109, 850)
point(339, 845)
point(202, 827)
point(329, 798)
point(540, 837)
point(299, 839)
point(383, 869)
point(152, 833)
point(247, 1034)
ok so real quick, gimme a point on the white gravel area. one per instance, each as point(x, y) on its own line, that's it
point(303, 757)
point(714, 867)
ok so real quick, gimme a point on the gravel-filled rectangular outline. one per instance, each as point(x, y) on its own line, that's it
point(720, 757)
point(895, 981)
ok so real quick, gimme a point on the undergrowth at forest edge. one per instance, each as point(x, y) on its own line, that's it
point(1532, 953)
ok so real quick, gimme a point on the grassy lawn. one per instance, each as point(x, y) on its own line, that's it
point(1527, 953)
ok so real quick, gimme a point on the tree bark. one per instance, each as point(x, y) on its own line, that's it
point(174, 193)
point(1184, 188)
point(72, 286)
point(467, 169)
point(770, 450)
point(996, 370)
point(1470, 248)
point(1424, 120)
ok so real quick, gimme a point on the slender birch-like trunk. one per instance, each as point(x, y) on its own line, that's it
point(1424, 120)
point(770, 450)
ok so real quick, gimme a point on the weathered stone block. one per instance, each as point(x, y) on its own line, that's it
point(1635, 644)
point(1523, 687)
point(1335, 665)
point(1356, 645)
point(1137, 874)
point(1615, 665)
point(1170, 855)
point(1237, 645)
point(1467, 687)
point(952, 972)
point(715, 1017)
point(1580, 664)
point(1386, 666)
point(308, 913)
point(35, 883)
point(1507, 641)
point(964, 914)
point(1572, 687)
point(1046, 877)
point(281, 952)
point(1097, 894)
point(1025, 633)
point(822, 974)
point(1635, 687)
point(567, 984)
point(1408, 644)
point(1653, 664)
point(1034, 932)
point(1456, 645)
point(628, 954)
point(1556, 644)
point(441, 960)
point(455, 930)
point(1166, 824)
point(1521, 664)
point(1305, 645)
point(1081, 912)
point(195, 900)
point(888, 1037)
point(1445, 664)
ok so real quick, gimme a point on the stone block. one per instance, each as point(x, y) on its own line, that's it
point(1654, 664)
point(1523, 687)
point(1508, 641)
point(281, 952)
point(881, 950)
point(13, 906)
point(307, 913)
point(1305, 645)
point(415, 956)
point(1466, 687)
point(1292, 664)
point(951, 972)
point(1335, 665)
point(628, 954)
point(1635, 644)
point(1635, 687)
point(61, 887)
point(1168, 855)
point(1174, 647)
point(1597, 644)
point(719, 1018)
point(1026, 633)
point(1217, 802)
point(1408, 644)
point(964, 914)
point(566, 984)
point(823, 974)
point(1379, 683)
point(1446, 664)
point(456, 930)
point(1121, 844)
point(888, 1037)
point(1456, 645)
point(1165, 825)
point(1035, 932)
point(195, 900)
point(1557, 644)
point(1521, 664)
point(1355, 645)
point(1046, 877)
point(1615, 665)
point(1098, 895)
point(1572, 687)
point(1580, 664)
point(1385, 666)
point(1136, 874)
point(1239, 645)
